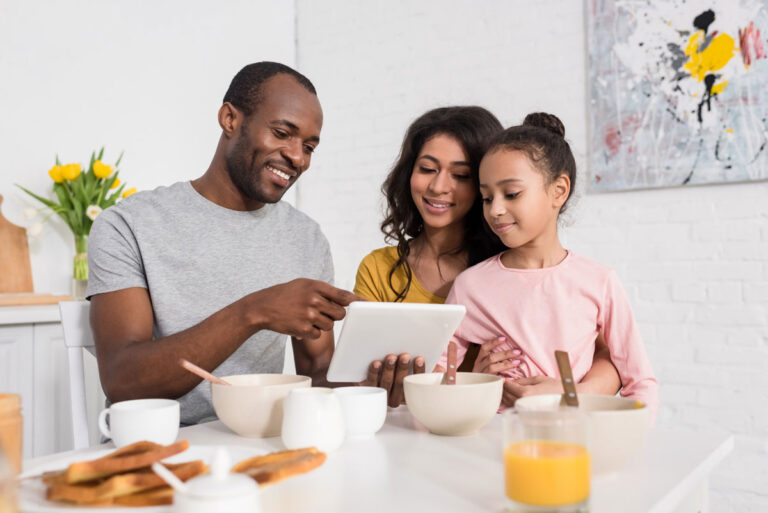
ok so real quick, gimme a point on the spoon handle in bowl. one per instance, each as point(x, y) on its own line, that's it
point(194, 369)
point(566, 376)
point(449, 378)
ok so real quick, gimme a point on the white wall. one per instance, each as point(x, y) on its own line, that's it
point(142, 76)
point(694, 260)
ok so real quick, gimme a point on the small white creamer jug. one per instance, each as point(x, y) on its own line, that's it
point(218, 492)
point(312, 417)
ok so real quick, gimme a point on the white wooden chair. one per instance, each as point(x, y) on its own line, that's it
point(77, 337)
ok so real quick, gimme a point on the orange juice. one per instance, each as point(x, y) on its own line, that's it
point(543, 473)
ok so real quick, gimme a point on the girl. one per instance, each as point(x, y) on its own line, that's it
point(434, 216)
point(537, 295)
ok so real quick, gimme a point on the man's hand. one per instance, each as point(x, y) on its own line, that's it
point(301, 308)
point(536, 385)
point(490, 361)
point(390, 374)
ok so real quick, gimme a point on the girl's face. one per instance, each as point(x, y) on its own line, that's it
point(441, 182)
point(518, 204)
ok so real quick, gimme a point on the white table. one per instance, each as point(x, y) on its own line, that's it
point(406, 469)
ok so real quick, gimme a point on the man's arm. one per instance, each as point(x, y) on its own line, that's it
point(312, 358)
point(132, 365)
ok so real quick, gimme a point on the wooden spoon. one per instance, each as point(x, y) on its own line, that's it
point(194, 369)
point(566, 376)
point(449, 378)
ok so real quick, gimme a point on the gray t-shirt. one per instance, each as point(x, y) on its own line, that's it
point(195, 257)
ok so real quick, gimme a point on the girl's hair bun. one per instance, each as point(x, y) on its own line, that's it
point(546, 121)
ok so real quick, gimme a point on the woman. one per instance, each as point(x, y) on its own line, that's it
point(434, 217)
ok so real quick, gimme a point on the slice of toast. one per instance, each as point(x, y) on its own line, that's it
point(155, 497)
point(277, 466)
point(130, 457)
point(104, 490)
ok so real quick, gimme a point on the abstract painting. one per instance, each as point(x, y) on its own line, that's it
point(678, 92)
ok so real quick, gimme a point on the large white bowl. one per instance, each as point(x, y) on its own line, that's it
point(616, 426)
point(459, 409)
point(253, 405)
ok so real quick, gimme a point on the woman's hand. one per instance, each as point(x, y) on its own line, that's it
point(490, 361)
point(514, 389)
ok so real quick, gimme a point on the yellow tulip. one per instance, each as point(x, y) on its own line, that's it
point(130, 191)
point(55, 174)
point(70, 171)
point(101, 170)
point(115, 184)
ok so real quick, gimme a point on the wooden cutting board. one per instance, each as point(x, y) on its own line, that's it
point(31, 299)
point(15, 268)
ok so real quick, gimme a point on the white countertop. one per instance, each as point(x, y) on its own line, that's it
point(406, 469)
point(29, 314)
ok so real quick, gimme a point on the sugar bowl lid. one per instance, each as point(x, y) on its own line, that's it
point(221, 483)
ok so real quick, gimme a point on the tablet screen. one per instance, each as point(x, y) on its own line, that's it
point(372, 330)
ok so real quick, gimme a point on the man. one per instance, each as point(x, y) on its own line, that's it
point(218, 270)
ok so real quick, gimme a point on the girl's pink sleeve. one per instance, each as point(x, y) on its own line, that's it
point(626, 346)
point(460, 342)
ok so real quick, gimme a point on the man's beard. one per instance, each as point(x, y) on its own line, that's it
point(241, 173)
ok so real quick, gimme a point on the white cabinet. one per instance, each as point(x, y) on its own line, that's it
point(16, 372)
point(33, 363)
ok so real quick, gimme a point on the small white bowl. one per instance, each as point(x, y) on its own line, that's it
point(364, 409)
point(253, 405)
point(453, 410)
point(616, 426)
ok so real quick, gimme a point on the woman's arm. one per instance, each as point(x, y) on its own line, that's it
point(602, 377)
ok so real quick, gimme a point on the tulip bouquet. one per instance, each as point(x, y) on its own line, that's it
point(81, 198)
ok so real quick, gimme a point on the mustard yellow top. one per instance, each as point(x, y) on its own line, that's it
point(372, 281)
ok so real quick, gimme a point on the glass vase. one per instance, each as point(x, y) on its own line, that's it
point(80, 268)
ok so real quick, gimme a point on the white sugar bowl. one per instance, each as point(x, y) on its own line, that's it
point(218, 492)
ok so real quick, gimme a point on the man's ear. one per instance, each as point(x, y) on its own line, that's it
point(229, 119)
point(560, 189)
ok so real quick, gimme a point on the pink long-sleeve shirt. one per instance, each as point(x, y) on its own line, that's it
point(542, 310)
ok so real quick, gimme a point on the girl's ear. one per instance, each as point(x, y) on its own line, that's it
point(560, 190)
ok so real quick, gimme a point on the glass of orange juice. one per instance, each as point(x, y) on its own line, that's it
point(546, 463)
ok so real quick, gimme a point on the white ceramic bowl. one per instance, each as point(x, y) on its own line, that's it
point(459, 409)
point(616, 426)
point(253, 405)
point(364, 409)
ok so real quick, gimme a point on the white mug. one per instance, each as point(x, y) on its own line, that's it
point(364, 409)
point(312, 417)
point(153, 420)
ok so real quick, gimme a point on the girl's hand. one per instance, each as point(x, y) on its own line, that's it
point(494, 362)
point(536, 385)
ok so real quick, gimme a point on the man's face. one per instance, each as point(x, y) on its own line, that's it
point(275, 143)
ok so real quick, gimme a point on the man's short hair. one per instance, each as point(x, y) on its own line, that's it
point(245, 90)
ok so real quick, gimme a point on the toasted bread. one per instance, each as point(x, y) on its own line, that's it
point(119, 485)
point(277, 466)
point(130, 457)
point(155, 497)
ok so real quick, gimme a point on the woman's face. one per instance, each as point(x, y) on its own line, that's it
point(441, 183)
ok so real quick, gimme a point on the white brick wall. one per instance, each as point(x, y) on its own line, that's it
point(694, 260)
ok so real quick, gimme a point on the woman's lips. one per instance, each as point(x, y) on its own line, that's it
point(437, 207)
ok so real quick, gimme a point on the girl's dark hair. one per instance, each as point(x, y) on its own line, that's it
point(542, 138)
point(472, 127)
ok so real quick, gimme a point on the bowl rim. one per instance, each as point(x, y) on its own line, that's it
point(413, 380)
point(304, 379)
point(644, 408)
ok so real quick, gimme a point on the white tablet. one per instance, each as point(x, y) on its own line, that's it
point(373, 330)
